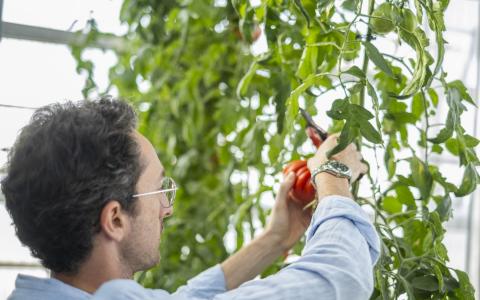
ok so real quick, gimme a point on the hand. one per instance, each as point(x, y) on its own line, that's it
point(349, 156)
point(289, 220)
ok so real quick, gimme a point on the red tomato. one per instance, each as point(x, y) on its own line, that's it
point(302, 191)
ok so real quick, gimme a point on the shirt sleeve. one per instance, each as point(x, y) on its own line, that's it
point(337, 262)
point(204, 286)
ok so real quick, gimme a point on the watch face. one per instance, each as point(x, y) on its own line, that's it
point(339, 166)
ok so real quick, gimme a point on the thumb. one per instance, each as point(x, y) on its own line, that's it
point(286, 185)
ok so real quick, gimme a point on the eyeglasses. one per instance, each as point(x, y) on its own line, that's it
point(169, 189)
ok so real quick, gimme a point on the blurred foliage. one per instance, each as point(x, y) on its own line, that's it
point(224, 120)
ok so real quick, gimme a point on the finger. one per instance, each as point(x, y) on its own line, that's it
point(286, 186)
point(334, 135)
point(364, 168)
point(332, 138)
point(359, 155)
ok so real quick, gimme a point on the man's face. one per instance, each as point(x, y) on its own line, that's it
point(140, 247)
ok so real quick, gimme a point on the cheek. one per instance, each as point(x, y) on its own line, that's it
point(154, 217)
point(151, 208)
point(149, 217)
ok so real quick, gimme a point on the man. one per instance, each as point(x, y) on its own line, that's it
point(88, 194)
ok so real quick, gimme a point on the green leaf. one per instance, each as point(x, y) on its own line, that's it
point(419, 9)
point(356, 88)
point(418, 105)
point(340, 109)
point(418, 42)
point(439, 275)
point(437, 149)
point(466, 288)
point(309, 60)
point(371, 92)
point(438, 177)
point(347, 136)
point(391, 205)
point(304, 12)
point(390, 163)
point(281, 86)
point(247, 24)
point(377, 59)
point(433, 96)
point(276, 146)
point(369, 132)
point(350, 5)
point(360, 113)
point(382, 283)
point(405, 196)
point(355, 71)
point(322, 4)
point(246, 79)
point(421, 177)
point(460, 87)
point(440, 44)
point(469, 181)
point(447, 131)
point(436, 225)
point(373, 95)
point(470, 141)
point(452, 146)
point(444, 208)
point(311, 80)
point(426, 283)
point(408, 288)
point(441, 251)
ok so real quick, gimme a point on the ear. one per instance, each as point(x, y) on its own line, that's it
point(114, 221)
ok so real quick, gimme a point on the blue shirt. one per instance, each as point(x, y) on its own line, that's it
point(337, 262)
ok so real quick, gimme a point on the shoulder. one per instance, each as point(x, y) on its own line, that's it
point(31, 287)
point(124, 289)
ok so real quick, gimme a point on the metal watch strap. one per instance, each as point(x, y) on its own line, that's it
point(326, 167)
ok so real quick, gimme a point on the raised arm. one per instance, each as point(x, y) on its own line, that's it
point(341, 250)
point(287, 225)
point(337, 262)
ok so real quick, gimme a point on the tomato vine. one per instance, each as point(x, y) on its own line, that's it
point(222, 117)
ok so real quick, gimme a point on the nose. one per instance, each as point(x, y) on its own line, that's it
point(166, 212)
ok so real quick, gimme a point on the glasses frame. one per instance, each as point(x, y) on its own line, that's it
point(170, 203)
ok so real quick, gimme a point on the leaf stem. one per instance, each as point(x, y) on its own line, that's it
point(427, 126)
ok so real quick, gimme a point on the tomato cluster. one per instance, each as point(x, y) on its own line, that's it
point(303, 191)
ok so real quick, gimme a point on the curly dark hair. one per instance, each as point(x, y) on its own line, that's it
point(66, 165)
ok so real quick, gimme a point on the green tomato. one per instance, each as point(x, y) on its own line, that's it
point(409, 20)
point(381, 22)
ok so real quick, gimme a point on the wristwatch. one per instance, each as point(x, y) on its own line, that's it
point(333, 167)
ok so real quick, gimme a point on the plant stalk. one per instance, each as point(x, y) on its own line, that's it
point(358, 142)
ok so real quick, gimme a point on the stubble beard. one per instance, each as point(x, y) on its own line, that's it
point(139, 251)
